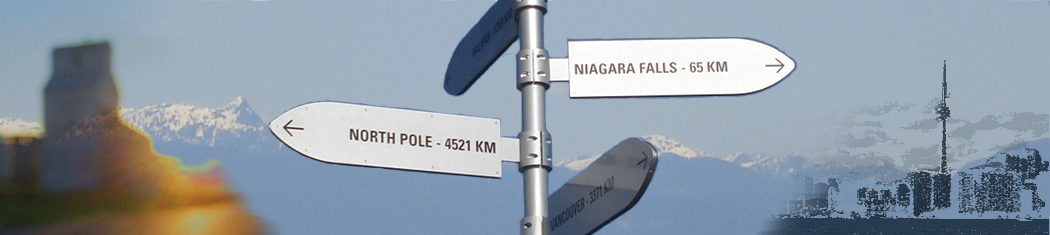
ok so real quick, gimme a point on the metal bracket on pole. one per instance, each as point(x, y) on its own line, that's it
point(533, 67)
point(533, 225)
point(559, 70)
point(535, 149)
point(533, 64)
point(538, 4)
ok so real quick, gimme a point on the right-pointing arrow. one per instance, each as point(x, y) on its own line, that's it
point(645, 159)
point(590, 73)
point(621, 187)
point(779, 64)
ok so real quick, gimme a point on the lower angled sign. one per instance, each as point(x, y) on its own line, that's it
point(606, 189)
point(404, 139)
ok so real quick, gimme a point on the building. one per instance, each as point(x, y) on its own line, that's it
point(81, 87)
point(813, 199)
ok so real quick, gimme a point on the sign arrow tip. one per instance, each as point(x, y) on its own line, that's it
point(779, 64)
point(288, 128)
point(645, 159)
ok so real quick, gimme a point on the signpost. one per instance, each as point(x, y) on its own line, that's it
point(610, 186)
point(373, 136)
point(670, 67)
point(535, 142)
point(485, 42)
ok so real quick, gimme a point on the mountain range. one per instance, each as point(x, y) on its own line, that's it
point(286, 189)
point(691, 191)
point(234, 125)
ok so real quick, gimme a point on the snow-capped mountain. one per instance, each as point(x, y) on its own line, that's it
point(234, 125)
point(663, 144)
point(770, 164)
point(668, 147)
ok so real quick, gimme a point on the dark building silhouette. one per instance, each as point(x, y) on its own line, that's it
point(942, 182)
point(942, 189)
point(966, 192)
point(1000, 189)
point(877, 202)
point(1026, 169)
point(944, 113)
point(813, 199)
point(903, 195)
point(922, 191)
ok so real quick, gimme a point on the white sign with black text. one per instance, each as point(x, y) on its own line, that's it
point(364, 135)
point(670, 67)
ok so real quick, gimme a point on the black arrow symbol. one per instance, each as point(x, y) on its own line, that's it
point(779, 64)
point(288, 128)
point(644, 160)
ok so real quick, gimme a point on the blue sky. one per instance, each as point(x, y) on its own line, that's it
point(393, 53)
point(281, 54)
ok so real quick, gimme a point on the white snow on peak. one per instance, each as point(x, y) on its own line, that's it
point(18, 127)
point(671, 147)
point(578, 163)
point(234, 125)
point(192, 124)
point(663, 144)
point(757, 160)
point(674, 147)
point(667, 145)
point(236, 102)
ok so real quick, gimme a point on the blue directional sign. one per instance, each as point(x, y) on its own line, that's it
point(610, 186)
point(482, 46)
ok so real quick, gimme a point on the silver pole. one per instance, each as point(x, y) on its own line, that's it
point(533, 81)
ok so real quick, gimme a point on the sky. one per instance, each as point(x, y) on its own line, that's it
point(850, 55)
point(282, 54)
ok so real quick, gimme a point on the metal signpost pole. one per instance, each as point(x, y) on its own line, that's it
point(535, 143)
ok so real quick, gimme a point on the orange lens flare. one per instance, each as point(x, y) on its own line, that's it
point(137, 189)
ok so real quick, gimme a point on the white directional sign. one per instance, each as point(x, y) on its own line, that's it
point(373, 136)
point(606, 189)
point(670, 67)
point(489, 38)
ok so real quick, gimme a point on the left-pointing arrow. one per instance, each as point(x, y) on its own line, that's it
point(288, 128)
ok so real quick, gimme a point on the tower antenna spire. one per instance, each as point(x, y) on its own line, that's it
point(942, 110)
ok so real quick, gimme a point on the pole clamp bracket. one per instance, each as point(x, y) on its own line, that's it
point(533, 68)
point(535, 147)
point(530, 224)
point(524, 4)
